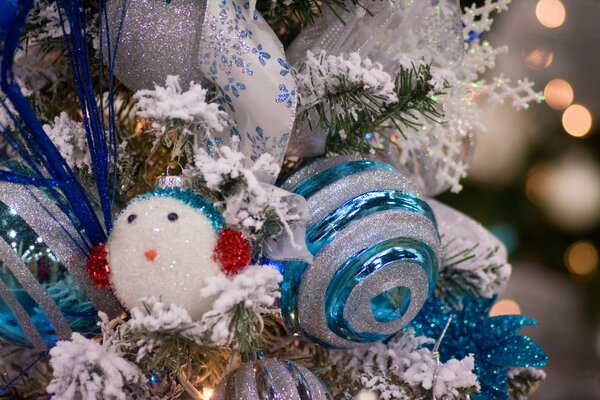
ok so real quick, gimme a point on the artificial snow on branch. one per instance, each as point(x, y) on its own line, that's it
point(240, 302)
point(353, 98)
point(401, 369)
point(84, 369)
point(522, 381)
point(70, 139)
point(172, 103)
point(472, 270)
point(244, 201)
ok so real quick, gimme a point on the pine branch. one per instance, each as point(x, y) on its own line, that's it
point(468, 271)
point(522, 381)
point(351, 112)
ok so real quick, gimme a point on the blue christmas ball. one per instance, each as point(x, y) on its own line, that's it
point(45, 292)
point(376, 253)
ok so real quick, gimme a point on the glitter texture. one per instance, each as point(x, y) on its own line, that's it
point(29, 312)
point(271, 379)
point(158, 39)
point(34, 338)
point(491, 340)
point(233, 252)
point(376, 253)
point(97, 267)
point(157, 255)
point(191, 199)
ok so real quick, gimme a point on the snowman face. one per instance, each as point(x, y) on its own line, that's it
point(162, 247)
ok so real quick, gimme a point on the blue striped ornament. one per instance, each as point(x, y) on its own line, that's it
point(45, 292)
point(376, 252)
point(271, 379)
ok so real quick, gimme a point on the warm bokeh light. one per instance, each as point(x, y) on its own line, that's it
point(551, 13)
point(505, 307)
point(577, 120)
point(581, 258)
point(559, 94)
point(539, 58)
point(207, 393)
point(536, 179)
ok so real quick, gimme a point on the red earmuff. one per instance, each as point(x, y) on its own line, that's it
point(97, 267)
point(232, 251)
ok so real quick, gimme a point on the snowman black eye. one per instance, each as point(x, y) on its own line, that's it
point(131, 218)
point(173, 217)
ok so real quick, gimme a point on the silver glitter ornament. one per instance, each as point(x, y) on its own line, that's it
point(270, 379)
point(376, 253)
point(158, 38)
point(45, 292)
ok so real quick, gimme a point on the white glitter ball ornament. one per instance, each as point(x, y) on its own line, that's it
point(158, 38)
point(163, 244)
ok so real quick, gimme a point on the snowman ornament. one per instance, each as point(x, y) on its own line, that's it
point(166, 243)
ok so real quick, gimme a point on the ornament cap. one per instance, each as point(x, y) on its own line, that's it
point(172, 181)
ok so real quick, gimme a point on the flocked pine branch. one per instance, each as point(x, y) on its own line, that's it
point(522, 381)
point(353, 98)
point(469, 269)
point(400, 369)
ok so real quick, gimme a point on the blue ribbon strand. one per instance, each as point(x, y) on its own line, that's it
point(48, 167)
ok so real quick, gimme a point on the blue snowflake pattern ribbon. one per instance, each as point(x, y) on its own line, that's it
point(492, 340)
point(242, 56)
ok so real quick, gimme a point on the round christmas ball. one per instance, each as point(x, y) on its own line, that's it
point(158, 38)
point(376, 253)
point(163, 244)
point(45, 293)
point(271, 379)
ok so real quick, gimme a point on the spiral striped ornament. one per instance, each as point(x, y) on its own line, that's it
point(45, 293)
point(271, 379)
point(376, 252)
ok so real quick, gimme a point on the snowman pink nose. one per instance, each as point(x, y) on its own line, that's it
point(150, 254)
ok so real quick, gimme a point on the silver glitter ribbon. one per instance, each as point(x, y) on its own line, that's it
point(273, 379)
point(22, 318)
point(225, 42)
point(57, 232)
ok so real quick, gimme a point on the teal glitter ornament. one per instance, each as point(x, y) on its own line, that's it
point(270, 379)
point(492, 341)
point(376, 249)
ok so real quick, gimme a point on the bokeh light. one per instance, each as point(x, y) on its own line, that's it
point(536, 181)
point(551, 13)
point(559, 94)
point(539, 58)
point(577, 120)
point(505, 307)
point(581, 258)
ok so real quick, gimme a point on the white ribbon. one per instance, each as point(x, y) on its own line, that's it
point(245, 59)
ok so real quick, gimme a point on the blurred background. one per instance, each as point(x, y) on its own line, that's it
point(535, 182)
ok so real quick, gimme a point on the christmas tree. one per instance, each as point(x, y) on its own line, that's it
point(234, 200)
